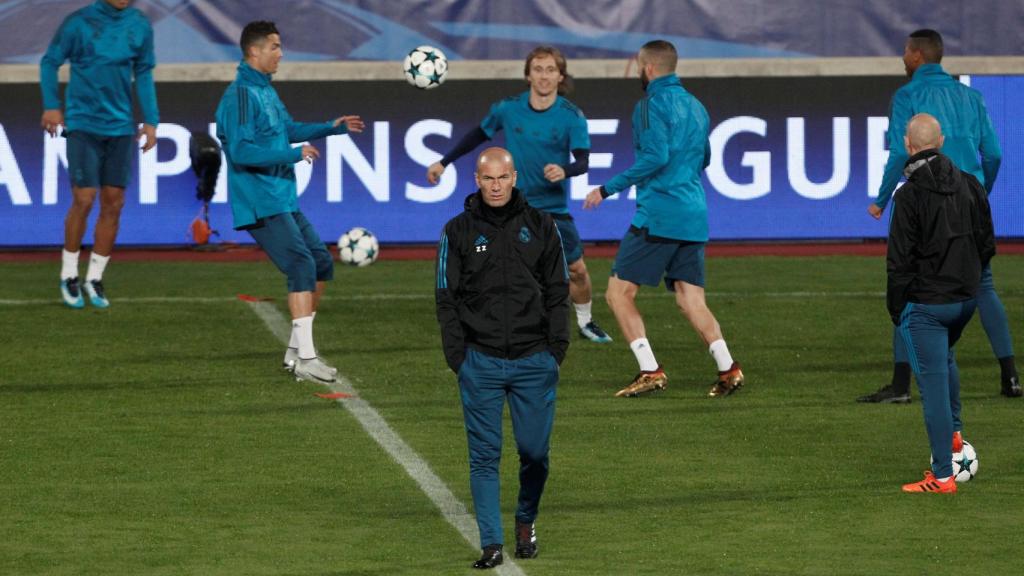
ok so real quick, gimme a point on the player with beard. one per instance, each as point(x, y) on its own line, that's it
point(667, 235)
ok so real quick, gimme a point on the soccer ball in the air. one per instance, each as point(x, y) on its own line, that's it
point(425, 67)
point(358, 247)
point(965, 463)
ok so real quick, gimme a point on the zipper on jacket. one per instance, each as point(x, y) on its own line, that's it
point(504, 277)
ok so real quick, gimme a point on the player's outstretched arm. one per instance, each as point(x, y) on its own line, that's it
point(236, 122)
point(353, 124)
point(900, 111)
point(466, 144)
point(434, 172)
point(651, 157)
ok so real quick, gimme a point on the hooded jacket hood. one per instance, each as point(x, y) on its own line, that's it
point(940, 235)
point(933, 172)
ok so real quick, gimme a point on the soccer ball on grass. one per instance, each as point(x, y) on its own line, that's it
point(358, 247)
point(965, 463)
point(425, 67)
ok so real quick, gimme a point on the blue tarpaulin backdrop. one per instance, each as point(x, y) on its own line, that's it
point(208, 30)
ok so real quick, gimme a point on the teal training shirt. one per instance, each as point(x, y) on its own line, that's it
point(670, 141)
point(536, 138)
point(965, 123)
point(256, 133)
point(107, 47)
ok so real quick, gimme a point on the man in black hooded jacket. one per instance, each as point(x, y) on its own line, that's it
point(940, 237)
point(503, 304)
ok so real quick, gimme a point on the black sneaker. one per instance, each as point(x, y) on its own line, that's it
point(1011, 388)
point(491, 558)
point(526, 540)
point(594, 333)
point(886, 395)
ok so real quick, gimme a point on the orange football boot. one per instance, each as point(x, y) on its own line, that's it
point(931, 484)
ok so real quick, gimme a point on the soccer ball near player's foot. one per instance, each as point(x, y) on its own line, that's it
point(425, 67)
point(965, 463)
point(358, 247)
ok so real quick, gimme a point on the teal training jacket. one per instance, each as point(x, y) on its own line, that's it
point(670, 139)
point(960, 111)
point(256, 133)
point(106, 47)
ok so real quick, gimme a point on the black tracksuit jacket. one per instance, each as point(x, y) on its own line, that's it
point(502, 283)
point(940, 235)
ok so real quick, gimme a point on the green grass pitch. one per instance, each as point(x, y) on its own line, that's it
point(161, 436)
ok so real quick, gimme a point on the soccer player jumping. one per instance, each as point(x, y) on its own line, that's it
point(108, 43)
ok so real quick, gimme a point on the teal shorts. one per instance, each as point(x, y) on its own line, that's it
point(95, 160)
point(571, 244)
point(645, 260)
point(295, 248)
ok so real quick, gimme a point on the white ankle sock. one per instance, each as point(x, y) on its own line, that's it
point(97, 264)
point(720, 352)
point(69, 264)
point(583, 316)
point(644, 355)
point(293, 341)
point(302, 329)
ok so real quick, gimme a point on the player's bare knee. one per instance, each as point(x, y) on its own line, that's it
point(82, 203)
point(111, 215)
point(681, 305)
point(111, 207)
point(612, 297)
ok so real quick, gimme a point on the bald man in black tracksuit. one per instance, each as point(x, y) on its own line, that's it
point(503, 304)
point(940, 238)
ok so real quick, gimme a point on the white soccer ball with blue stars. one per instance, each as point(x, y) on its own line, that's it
point(358, 247)
point(425, 67)
point(965, 463)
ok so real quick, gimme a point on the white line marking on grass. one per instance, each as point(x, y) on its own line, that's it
point(424, 296)
point(206, 299)
point(415, 466)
